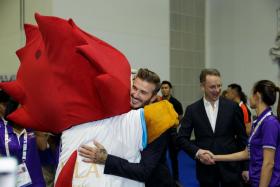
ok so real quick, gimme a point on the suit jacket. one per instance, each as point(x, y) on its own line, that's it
point(152, 168)
point(229, 137)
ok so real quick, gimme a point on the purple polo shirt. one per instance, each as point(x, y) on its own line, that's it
point(266, 136)
point(15, 147)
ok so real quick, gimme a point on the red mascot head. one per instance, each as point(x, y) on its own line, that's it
point(67, 77)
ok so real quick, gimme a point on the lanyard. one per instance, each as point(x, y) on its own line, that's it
point(24, 149)
point(258, 125)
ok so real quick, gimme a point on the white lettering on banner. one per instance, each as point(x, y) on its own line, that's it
point(7, 78)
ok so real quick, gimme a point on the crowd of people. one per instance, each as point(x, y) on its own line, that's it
point(230, 149)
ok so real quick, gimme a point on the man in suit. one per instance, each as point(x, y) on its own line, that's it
point(218, 127)
point(152, 168)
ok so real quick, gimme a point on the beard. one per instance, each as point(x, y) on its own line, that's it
point(141, 102)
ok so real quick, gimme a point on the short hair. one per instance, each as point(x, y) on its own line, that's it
point(166, 82)
point(149, 76)
point(239, 91)
point(205, 72)
point(236, 87)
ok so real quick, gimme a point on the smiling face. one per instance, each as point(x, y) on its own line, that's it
point(142, 93)
point(212, 88)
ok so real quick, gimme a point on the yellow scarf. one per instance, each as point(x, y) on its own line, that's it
point(160, 116)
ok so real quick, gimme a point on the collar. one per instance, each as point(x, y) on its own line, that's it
point(164, 98)
point(268, 109)
point(207, 103)
point(21, 133)
point(11, 130)
point(241, 102)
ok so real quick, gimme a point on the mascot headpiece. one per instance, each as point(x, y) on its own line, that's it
point(76, 73)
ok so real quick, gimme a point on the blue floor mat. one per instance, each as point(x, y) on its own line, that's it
point(187, 174)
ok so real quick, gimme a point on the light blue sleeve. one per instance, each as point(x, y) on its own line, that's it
point(144, 129)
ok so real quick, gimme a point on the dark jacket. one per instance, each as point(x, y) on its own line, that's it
point(229, 137)
point(152, 168)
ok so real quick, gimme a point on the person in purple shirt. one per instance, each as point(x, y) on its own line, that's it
point(21, 144)
point(263, 148)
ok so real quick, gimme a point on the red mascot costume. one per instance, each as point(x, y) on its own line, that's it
point(67, 83)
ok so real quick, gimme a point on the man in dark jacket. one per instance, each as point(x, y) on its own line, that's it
point(152, 168)
point(218, 127)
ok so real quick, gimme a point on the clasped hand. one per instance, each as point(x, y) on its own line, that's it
point(205, 157)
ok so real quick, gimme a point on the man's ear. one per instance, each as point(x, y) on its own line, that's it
point(202, 87)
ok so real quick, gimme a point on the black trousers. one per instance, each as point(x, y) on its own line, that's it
point(173, 154)
point(245, 184)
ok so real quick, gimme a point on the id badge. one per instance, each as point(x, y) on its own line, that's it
point(23, 177)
